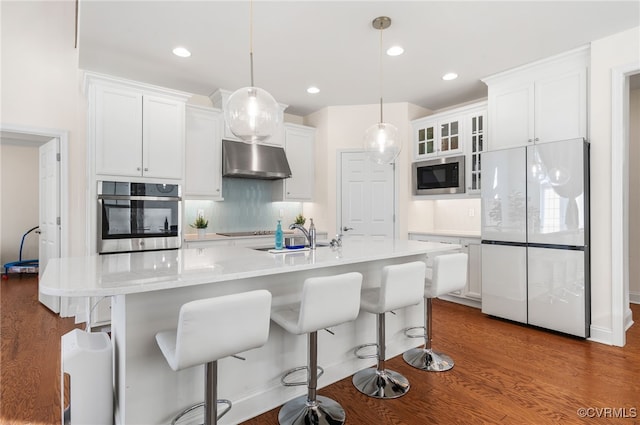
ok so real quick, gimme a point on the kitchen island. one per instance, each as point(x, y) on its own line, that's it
point(148, 288)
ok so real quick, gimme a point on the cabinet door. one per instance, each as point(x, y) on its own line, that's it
point(474, 277)
point(449, 137)
point(425, 140)
point(118, 132)
point(299, 146)
point(561, 107)
point(511, 116)
point(163, 137)
point(476, 145)
point(203, 151)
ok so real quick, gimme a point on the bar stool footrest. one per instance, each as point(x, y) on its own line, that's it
point(200, 405)
point(366, 356)
point(408, 334)
point(283, 379)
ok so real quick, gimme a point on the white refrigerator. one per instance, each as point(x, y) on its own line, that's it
point(535, 235)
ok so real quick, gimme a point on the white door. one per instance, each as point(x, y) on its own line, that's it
point(367, 197)
point(49, 206)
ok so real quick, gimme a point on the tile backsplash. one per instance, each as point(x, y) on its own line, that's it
point(247, 206)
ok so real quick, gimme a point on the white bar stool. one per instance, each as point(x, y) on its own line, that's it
point(449, 273)
point(402, 286)
point(213, 328)
point(326, 301)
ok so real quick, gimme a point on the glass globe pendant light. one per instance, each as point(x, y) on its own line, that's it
point(251, 113)
point(382, 142)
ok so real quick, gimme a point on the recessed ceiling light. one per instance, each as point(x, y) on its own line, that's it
point(182, 52)
point(395, 51)
point(450, 76)
point(313, 90)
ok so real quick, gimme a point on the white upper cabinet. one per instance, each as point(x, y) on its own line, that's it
point(203, 153)
point(135, 130)
point(437, 135)
point(542, 102)
point(300, 149)
point(162, 137)
point(475, 146)
point(219, 100)
point(118, 132)
point(462, 130)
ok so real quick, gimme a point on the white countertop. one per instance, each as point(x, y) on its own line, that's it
point(118, 274)
point(452, 233)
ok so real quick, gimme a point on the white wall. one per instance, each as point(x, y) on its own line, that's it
point(343, 127)
point(41, 88)
point(634, 194)
point(607, 53)
point(19, 188)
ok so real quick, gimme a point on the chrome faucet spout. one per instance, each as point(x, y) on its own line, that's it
point(306, 233)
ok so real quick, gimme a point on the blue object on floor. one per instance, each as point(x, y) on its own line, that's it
point(21, 266)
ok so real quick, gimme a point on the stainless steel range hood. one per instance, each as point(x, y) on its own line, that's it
point(254, 161)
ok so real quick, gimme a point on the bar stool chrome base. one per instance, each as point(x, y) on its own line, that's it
point(427, 359)
point(385, 384)
point(301, 411)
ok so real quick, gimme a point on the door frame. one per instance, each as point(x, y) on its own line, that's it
point(620, 312)
point(339, 152)
point(63, 189)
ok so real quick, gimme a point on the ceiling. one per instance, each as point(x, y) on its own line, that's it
point(332, 45)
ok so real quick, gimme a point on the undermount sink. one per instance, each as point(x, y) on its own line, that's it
point(267, 248)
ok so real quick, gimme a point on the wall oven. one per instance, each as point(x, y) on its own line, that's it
point(138, 216)
point(439, 176)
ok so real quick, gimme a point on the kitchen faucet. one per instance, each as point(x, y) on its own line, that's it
point(310, 234)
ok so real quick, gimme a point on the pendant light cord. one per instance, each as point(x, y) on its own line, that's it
point(251, 39)
point(380, 60)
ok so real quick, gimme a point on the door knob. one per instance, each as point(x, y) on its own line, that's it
point(346, 229)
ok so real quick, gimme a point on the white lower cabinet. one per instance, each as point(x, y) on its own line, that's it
point(471, 294)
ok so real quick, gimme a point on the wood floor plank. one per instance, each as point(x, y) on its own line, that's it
point(505, 373)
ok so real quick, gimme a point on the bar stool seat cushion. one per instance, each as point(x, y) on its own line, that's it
point(449, 273)
point(401, 292)
point(213, 328)
point(326, 301)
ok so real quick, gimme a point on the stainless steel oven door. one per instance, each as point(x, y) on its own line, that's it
point(138, 219)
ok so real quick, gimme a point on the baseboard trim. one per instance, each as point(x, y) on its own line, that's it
point(634, 297)
point(601, 335)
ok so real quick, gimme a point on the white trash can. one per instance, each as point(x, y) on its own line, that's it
point(86, 357)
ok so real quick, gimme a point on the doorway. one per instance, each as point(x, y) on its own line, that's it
point(622, 80)
point(367, 204)
point(49, 163)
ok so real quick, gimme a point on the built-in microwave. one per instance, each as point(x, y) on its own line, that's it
point(440, 176)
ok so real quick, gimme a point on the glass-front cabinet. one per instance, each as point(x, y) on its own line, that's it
point(456, 131)
point(477, 146)
point(437, 137)
point(426, 140)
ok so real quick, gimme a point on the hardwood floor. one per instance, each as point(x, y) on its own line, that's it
point(504, 374)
